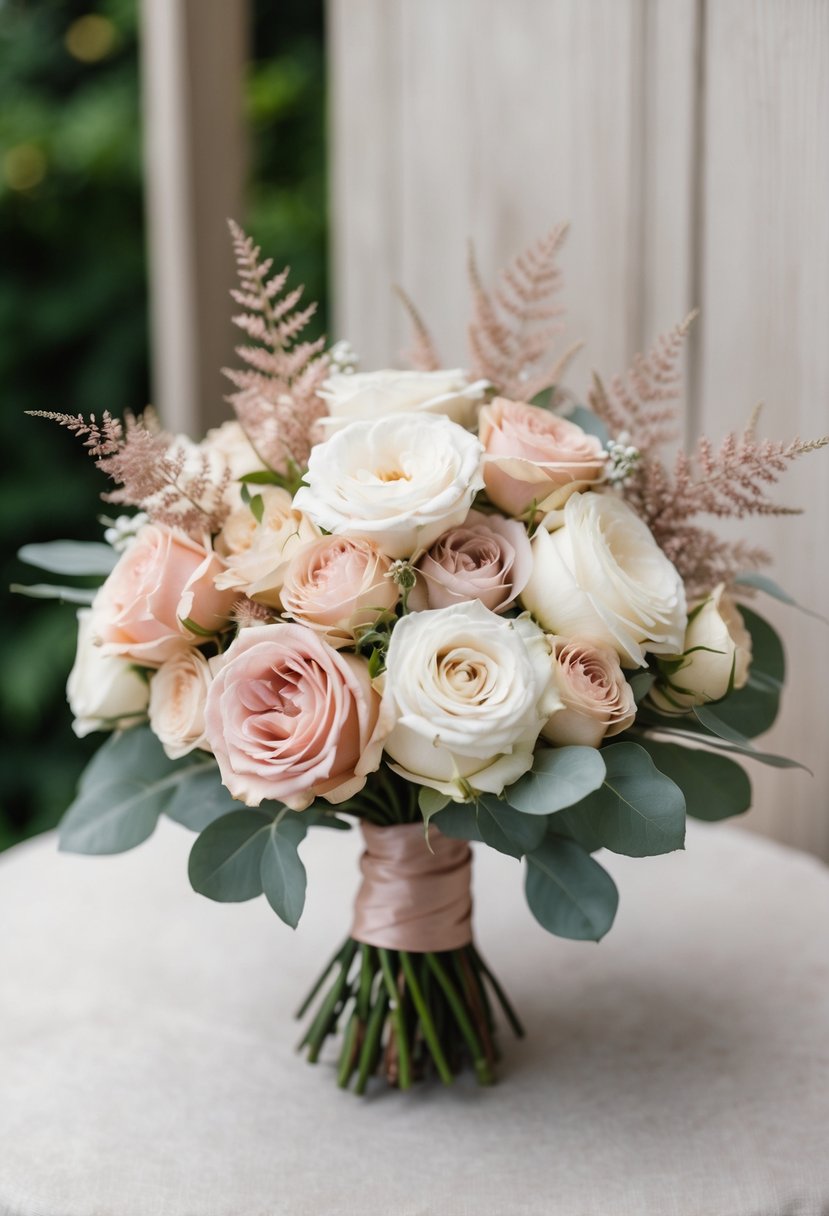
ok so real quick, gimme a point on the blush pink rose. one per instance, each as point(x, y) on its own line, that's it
point(290, 718)
point(162, 579)
point(337, 586)
point(596, 698)
point(486, 558)
point(535, 456)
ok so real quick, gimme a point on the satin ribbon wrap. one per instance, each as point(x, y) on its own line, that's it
point(412, 898)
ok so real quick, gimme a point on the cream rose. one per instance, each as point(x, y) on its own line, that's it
point(533, 456)
point(466, 693)
point(716, 657)
point(257, 553)
point(104, 692)
point(178, 694)
point(338, 586)
point(161, 580)
point(597, 699)
point(290, 718)
point(486, 558)
point(602, 577)
point(231, 446)
point(367, 396)
point(399, 482)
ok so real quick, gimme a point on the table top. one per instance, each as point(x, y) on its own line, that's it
point(679, 1067)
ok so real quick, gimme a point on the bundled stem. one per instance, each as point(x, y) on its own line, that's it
point(406, 1015)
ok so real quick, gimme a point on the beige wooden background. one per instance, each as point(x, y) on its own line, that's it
point(686, 140)
point(688, 143)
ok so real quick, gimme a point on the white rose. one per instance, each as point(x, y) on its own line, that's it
point(716, 657)
point(104, 692)
point(257, 553)
point(359, 396)
point(230, 445)
point(602, 577)
point(400, 482)
point(178, 693)
point(465, 694)
point(597, 700)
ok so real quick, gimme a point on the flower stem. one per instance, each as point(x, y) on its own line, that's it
point(509, 1012)
point(426, 1023)
point(398, 1020)
point(324, 1021)
point(371, 1043)
point(479, 1061)
point(323, 976)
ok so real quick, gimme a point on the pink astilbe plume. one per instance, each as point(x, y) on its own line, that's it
point(422, 355)
point(514, 326)
point(731, 481)
point(169, 478)
point(276, 398)
point(642, 403)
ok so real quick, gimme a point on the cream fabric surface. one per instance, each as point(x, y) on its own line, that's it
point(679, 1068)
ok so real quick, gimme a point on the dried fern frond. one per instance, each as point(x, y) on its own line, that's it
point(99, 438)
point(175, 482)
point(514, 326)
point(642, 402)
point(731, 481)
point(422, 355)
point(276, 398)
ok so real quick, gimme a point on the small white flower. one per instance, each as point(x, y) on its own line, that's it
point(343, 358)
point(124, 529)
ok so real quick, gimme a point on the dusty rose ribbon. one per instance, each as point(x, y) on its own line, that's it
point(411, 898)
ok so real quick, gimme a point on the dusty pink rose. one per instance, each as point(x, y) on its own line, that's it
point(162, 579)
point(486, 558)
point(290, 718)
point(337, 586)
point(597, 699)
point(535, 456)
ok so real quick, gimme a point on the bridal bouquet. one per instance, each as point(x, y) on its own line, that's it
point(451, 606)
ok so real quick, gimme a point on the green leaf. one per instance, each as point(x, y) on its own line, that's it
point(320, 814)
point(430, 802)
point(507, 830)
point(225, 860)
point(262, 477)
point(641, 684)
point(70, 557)
point(560, 776)
point(762, 583)
point(48, 591)
point(638, 811)
point(714, 786)
point(124, 789)
point(281, 871)
point(194, 627)
point(702, 736)
point(752, 710)
point(200, 799)
point(257, 506)
point(569, 893)
point(458, 820)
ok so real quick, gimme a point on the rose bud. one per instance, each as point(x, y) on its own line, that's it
point(716, 657)
point(597, 699)
point(533, 456)
point(338, 586)
point(486, 558)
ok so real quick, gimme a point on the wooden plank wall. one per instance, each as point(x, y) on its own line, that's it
point(687, 143)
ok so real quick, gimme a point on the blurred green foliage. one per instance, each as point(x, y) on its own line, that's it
point(73, 306)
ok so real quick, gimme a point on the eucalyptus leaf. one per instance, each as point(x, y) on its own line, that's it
point(430, 802)
point(458, 820)
point(762, 582)
point(70, 557)
point(281, 870)
point(720, 744)
point(124, 789)
point(569, 893)
point(226, 859)
point(714, 786)
point(637, 811)
point(560, 777)
point(200, 798)
point(507, 830)
point(48, 591)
